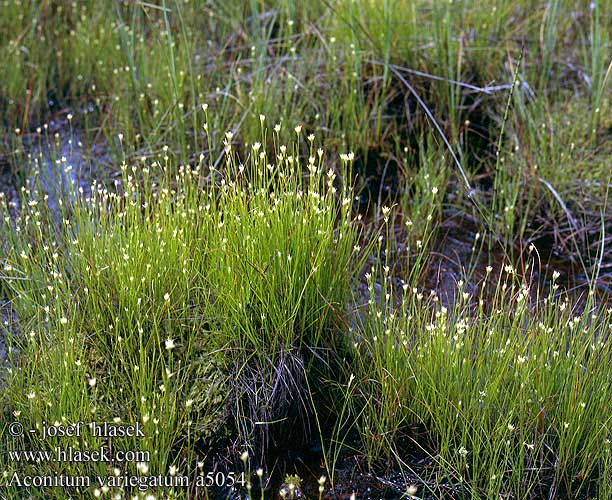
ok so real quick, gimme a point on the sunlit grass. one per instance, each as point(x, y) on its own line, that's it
point(510, 397)
point(228, 274)
point(171, 300)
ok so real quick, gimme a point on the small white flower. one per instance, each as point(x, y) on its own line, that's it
point(92, 382)
point(63, 320)
point(298, 129)
point(166, 297)
point(462, 451)
point(170, 344)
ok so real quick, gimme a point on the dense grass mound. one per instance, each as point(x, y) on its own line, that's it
point(507, 397)
point(181, 302)
point(419, 294)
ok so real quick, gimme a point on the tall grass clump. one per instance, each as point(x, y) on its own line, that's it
point(508, 397)
point(109, 306)
point(287, 251)
point(190, 300)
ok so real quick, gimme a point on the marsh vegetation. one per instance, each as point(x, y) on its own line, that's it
point(310, 249)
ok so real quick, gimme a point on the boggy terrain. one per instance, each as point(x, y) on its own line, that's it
point(309, 250)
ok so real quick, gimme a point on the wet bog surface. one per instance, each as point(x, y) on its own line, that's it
point(66, 168)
